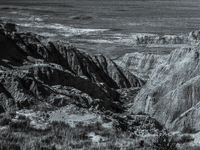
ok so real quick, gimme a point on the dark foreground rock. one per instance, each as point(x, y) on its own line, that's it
point(34, 70)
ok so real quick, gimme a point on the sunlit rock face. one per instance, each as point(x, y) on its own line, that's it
point(141, 64)
point(172, 90)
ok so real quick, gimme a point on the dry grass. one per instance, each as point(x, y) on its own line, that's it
point(19, 134)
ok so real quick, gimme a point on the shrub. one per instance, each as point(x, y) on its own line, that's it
point(189, 147)
point(116, 126)
point(60, 124)
point(5, 121)
point(98, 125)
point(133, 136)
point(80, 124)
point(22, 117)
point(120, 125)
point(5, 118)
point(185, 139)
point(20, 125)
point(106, 119)
point(141, 143)
point(91, 127)
point(9, 146)
point(112, 145)
point(164, 142)
point(80, 144)
point(188, 129)
point(141, 113)
point(79, 136)
point(106, 133)
point(48, 139)
point(12, 113)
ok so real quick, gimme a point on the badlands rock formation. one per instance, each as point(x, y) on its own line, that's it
point(35, 70)
point(171, 95)
point(160, 39)
point(141, 63)
point(154, 39)
point(42, 74)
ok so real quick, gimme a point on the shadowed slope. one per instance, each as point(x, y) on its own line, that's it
point(38, 67)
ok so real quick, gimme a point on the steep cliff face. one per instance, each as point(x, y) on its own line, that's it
point(35, 69)
point(24, 88)
point(6, 99)
point(52, 76)
point(141, 63)
point(119, 74)
point(173, 89)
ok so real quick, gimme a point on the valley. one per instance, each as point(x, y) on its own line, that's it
point(54, 96)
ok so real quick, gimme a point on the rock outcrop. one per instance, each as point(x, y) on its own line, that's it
point(141, 64)
point(34, 70)
point(153, 39)
point(171, 95)
point(160, 39)
point(95, 68)
point(194, 35)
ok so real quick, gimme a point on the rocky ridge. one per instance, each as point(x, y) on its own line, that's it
point(34, 69)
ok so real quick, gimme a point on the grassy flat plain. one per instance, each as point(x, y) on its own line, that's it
point(104, 26)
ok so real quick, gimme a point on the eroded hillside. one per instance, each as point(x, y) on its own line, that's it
point(44, 82)
point(171, 95)
point(35, 69)
point(55, 97)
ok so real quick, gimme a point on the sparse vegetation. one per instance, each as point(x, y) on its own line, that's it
point(141, 113)
point(165, 142)
point(185, 139)
point(60, 135)
point(4, 121)
point(188, 129)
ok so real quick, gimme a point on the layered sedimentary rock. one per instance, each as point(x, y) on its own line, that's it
point(154, 39)
point(171, 95)
point(141, 63)
point(35, 69)
point(160, 39)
